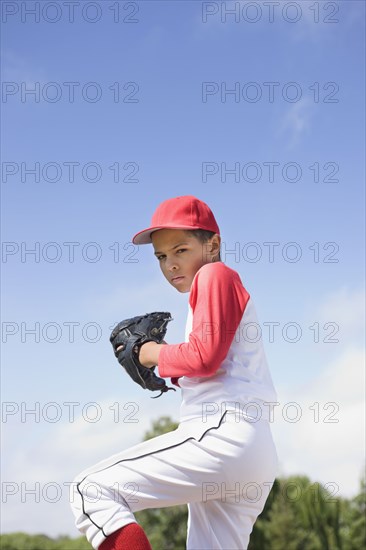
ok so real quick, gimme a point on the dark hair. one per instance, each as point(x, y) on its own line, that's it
point(203, 236)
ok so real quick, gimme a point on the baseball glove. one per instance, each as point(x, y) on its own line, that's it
point(131, 334)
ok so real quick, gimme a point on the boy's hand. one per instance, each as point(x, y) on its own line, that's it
point(144, 354)
point(149, 354)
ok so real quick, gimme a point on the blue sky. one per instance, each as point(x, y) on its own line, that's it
point(311, 131)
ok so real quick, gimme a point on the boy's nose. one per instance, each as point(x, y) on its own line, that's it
point(171, 265)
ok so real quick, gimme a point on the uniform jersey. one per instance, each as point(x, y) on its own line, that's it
point(222, 363)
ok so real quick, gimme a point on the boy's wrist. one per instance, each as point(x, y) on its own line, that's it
point(149, 354)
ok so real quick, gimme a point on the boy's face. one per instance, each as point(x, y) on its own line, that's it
point(180, 255)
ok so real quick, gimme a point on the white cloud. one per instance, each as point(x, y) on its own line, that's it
point(346, 307)
point(296, 122)
point(327, 443)
point(18, 68)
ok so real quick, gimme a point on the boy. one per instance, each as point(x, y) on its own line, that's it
point(221, 460)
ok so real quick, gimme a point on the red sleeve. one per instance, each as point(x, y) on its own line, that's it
point(218, 300)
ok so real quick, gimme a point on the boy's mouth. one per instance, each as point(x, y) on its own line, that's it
point(177, 279)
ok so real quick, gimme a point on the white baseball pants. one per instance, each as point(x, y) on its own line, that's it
point(223, 472)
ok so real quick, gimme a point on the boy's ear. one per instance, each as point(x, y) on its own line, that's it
point(216, 242)
point(213, 245)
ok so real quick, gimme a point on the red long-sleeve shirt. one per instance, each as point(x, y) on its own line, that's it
point(218, 299)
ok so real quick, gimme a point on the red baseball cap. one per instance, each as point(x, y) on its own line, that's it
point(184, 212)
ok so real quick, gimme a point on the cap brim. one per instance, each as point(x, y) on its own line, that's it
point(144, 236)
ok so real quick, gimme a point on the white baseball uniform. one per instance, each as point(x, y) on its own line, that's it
point(221, 460)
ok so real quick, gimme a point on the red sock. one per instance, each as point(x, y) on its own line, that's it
point(131, 536)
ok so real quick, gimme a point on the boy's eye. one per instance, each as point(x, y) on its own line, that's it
point(179, 250)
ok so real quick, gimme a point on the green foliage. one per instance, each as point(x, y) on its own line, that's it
point(258, 535)
point(300, 515)
point(161, 426)
point(354, 528)
point(166, 527)
point(22, 541)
